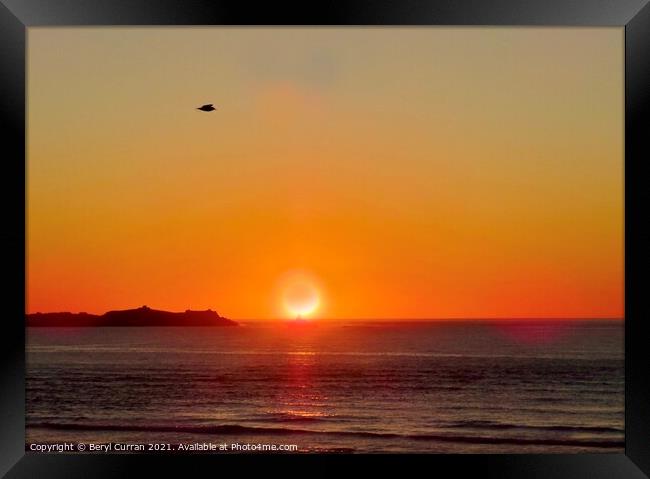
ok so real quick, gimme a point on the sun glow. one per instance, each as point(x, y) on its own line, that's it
point(300, 296)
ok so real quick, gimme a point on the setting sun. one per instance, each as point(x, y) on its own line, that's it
point(300, 295)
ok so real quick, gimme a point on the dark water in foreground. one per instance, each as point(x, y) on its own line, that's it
point(417, 387)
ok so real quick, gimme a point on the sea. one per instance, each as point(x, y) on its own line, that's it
point(481, 386)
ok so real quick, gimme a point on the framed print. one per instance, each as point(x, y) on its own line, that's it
point(373, 232)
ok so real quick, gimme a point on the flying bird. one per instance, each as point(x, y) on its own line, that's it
point(207, 107)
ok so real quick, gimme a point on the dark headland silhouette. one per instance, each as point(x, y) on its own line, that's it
point(143, 316)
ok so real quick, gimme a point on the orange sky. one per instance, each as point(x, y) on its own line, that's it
point(396, 172)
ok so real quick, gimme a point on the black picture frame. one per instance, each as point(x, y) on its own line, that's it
point(632, 15)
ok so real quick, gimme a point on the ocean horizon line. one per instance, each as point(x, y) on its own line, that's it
point(427, 320)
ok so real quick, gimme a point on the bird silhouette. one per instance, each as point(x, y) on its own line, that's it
point(207, 107)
